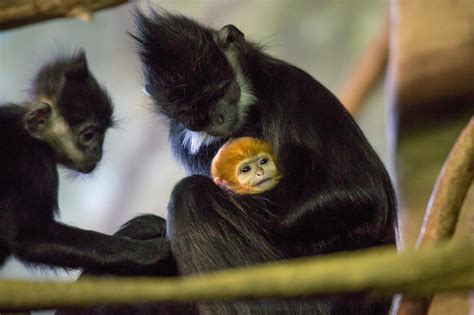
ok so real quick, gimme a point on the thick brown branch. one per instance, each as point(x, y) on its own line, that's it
point(450, 189)
point(366, 71)
point(445, 205)
point(381, 271)
point(16, 13)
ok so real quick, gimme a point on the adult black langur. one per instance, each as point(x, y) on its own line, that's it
point(334, 194)
point(64, 123)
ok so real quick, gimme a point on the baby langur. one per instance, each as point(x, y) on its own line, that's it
point(246, 166)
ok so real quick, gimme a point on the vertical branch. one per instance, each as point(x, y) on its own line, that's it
point(445, 205)
point(450, 190)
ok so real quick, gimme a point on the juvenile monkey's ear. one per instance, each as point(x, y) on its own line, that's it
point(79, 69)
point(37, 117)
point(230, 34)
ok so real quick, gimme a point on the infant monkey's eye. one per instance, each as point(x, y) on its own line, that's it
point(245, 169)
point(263, 161)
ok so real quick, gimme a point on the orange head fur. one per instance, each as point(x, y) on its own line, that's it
point(225, 164)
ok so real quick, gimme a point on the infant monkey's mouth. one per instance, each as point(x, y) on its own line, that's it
point(263, 181)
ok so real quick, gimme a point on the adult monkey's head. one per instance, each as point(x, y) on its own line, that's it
point(194, 73)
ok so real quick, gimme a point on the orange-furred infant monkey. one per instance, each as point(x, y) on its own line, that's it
point(246, 166)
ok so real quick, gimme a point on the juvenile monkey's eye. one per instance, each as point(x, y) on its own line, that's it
point(263, 161)
point(88, 136)
point(245, 169)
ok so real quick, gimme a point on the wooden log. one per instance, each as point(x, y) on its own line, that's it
point(16, 13)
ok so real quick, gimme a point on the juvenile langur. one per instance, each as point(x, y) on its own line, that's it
point(64, 123)
point(246, 166)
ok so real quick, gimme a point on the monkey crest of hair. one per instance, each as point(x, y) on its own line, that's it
point(225, 163)
point(193, 77)
point(67, 83)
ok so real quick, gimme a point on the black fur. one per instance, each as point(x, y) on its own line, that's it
point(29, 179)
point(68, 80)
point(334, 195)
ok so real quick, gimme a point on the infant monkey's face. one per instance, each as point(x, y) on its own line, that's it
point(258, 173)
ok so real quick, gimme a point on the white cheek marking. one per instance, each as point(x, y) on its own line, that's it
point(59, 135)
point(66, 142)
point(247, 97)
point(194, 140)
point(61, 138)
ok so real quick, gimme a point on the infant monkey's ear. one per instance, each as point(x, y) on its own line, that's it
point(37, 118)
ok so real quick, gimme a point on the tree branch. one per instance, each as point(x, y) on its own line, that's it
point(16, 13)
point(445, 205)
point(450, 190)
point(382, 271)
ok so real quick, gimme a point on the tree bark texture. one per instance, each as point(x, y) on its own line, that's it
point(16, 13)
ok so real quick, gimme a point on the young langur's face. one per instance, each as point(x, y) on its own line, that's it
point(259, 173)
point(246, 166)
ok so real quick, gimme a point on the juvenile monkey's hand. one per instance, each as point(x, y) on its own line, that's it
point(143, 227)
